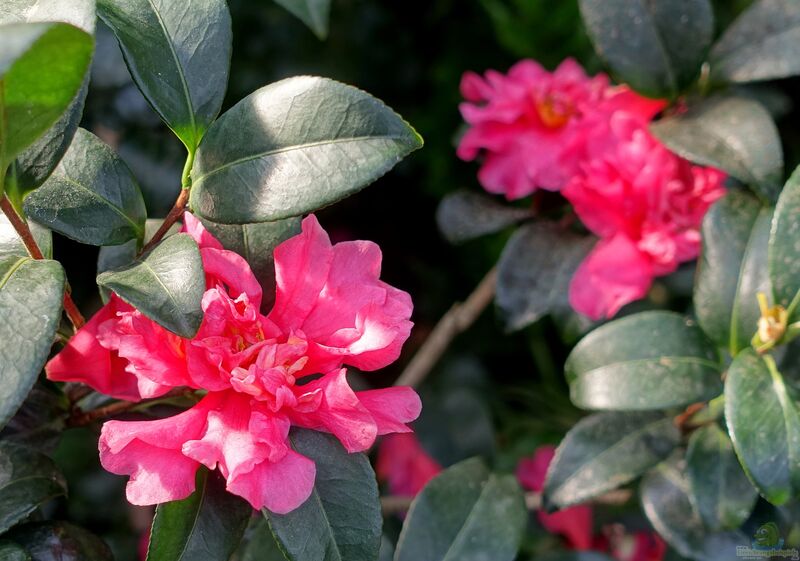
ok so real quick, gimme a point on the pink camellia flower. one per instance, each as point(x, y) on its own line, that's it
point(530, 126)
point(646, 204)
point(404, 464)
point(573, 523)
point(330, 310)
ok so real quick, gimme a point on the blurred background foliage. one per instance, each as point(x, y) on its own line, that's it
point(494, 394)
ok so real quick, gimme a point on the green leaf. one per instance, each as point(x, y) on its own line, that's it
point(256, 243)
point(207, 525)
point(732, 270)
point(735, 134)
point(341, 521)
point(166, 285)
point(28, 479)
point(651, 360)
point(720, 490)
point(116, 256)
point(60, 541)
point(606, 450)
point(293, 147)
point(91, 197)
point(38, 161)
point(314, 13)
point(12, 552)
point(535, 270)
point(11, 244)
point(764, 424)
point(656, 47)
point(40, 420)
point(42, 66)
point(464, 215)
point(465, 513)
point(31, 293)
point(261, 545)
point(762, 44)
point(784, 248)
point(178, 57)
point(665, 499)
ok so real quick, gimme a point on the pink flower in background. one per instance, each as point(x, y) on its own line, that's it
point(331, 310)
point(573, 523)
point(646, 204)
point(530, 126)
point(404, 464)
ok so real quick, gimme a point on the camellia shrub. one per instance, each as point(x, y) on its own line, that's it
point(228, 372)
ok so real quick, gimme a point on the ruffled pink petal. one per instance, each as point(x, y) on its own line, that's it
point(195, 228)
point(392, 408)
point(340, 412)
point(404, 464)
point(280, 486)
point(84, 359)
point(301, 270)
point(615, 273)
point(231, 270)
point(347, 314)
point(574, 523)
point(238, 437)
point(150, 453)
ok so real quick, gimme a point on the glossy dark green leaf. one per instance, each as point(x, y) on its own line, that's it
point(166, 285)
point(732, 270)
point(764, 424)
point(261, 544)
point(256, 243)
point(91, 196)
point(341, 521)
point(10, 551)
point(464, 215)
point(40, 420)
point(115, 256)
point(41, 69)
point(651, 360)
point(314, 13)
point(665, 498)
point(762, 44)
point(734, 134)
point(178, 55)
point(60, 541)
point(38, 161)
point(465, 513)
point(720, 490)
point(535, 270)
point(28, 479)
point(30, 309)
point(293, 147)
point(784, 248)
point(207, 525)
point(656, 47)
point(11, 244)
point(606, 450)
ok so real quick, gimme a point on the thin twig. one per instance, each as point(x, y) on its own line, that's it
point(174, 214)
point(80, 418)
point(395, 505)
point(25, 234)
point(456, 320)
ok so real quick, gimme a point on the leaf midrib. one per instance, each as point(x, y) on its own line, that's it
point(680, 359)
point(291, 148)
point(467, 520)
point(178, 65)
point(630, 436)
point(137, 228)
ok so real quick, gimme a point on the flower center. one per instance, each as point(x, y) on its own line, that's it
point(554, 112)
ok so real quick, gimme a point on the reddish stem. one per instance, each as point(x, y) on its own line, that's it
point(174, 214)
point(25, 234)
